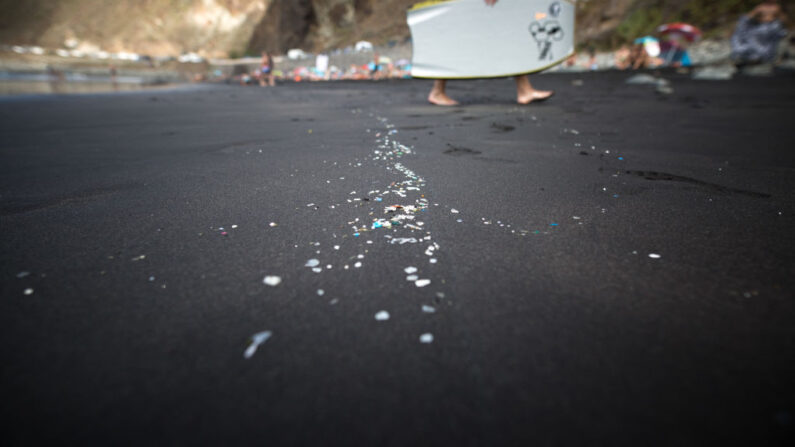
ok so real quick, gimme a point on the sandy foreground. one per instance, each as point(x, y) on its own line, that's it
point(343, 263)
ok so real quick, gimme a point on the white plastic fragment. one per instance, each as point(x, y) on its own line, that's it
point(403, 240)
point(426, 338)
point(320, 292)
point(22, 274)
point(428, 309)
point(453, 210)
point(272, 280)
point(654, 256)
point(256, 340)
point(28, 291)
point(312, 263)
point(382, 315)
point(410, 270)
point(357, 265)
point(273, 224)
point(422, 282)
point(412, 278)
point(317, 269)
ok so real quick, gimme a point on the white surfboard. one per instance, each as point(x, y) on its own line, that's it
point(459, 39)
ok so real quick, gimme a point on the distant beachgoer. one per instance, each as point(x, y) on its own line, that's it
point(592, 65)
point(525, 93)
point(622, 57)
point(758, 33)
point(644, 53)
point(266, 70)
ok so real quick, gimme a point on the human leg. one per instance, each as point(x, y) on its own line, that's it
point(438, 96)
point(525, 93)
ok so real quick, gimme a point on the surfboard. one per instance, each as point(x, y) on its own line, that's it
point(464, 39)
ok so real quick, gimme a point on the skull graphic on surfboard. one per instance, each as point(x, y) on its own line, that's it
point(460, 39)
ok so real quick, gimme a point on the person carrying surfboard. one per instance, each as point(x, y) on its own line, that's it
point(525, 92)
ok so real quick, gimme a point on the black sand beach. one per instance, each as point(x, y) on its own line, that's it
point(622, 272)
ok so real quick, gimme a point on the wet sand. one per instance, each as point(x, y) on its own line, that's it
point(621, 272)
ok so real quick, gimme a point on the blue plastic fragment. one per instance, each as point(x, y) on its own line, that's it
point(620, 158)
point(553, 224)
point(355, 234)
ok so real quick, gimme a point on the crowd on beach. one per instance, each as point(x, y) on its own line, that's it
point(756, 39)
point(380, 67)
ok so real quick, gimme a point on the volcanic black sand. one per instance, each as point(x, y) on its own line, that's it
point(621, 274)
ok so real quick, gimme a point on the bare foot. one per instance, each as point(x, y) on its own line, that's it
point(533, 95)
point(441, 99)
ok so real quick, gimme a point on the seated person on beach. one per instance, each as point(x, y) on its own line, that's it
point(622, 57)
point(266, 70)
point(525, 93)
point(757, 35)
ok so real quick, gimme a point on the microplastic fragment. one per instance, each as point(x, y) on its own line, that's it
point(28, 292)
point(22, 274)
point(336, 247)
point(317, 269)
point(334, 301)
point(412, 278)
point(428, 309)
point(256, 340)
point(320, 292)
point(426, 338)
point(453, 210)
point(273, 224)
point(382, 316)
point(654, 256)
point(410, 270)
point(403, 240)
point(357, 265)
point(422, 282)
point(272, 280)
point(312, 263)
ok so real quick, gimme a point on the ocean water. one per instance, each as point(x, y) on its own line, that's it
point(40, 84)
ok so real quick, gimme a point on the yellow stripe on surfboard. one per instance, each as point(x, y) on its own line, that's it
point(428, 3)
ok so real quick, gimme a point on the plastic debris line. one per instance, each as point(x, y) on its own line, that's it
point(384, 214)
point(392, 212)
